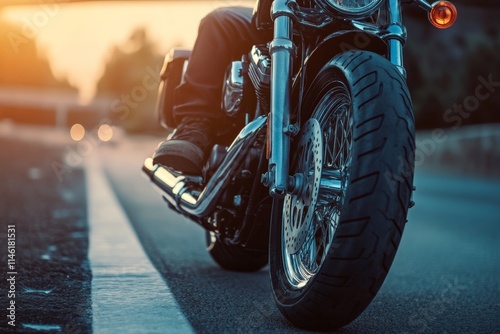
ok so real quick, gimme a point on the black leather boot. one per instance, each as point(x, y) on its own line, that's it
point(187, 150)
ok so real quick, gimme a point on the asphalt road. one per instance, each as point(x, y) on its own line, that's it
point(445, 279)
point(48, 276)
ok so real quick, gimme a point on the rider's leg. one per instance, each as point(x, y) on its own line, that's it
point(224, 35)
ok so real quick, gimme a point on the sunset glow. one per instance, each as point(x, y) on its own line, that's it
point(77, 38)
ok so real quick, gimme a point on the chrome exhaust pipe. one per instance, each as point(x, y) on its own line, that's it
point(176, 187)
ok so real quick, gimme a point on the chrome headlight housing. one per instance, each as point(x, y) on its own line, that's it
point(351, 9)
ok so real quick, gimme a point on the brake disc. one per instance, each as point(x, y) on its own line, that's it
point(298, 208)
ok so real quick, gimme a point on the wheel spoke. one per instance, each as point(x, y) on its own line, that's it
point(311, 217)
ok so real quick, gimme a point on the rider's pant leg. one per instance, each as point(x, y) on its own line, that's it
point(224, 35)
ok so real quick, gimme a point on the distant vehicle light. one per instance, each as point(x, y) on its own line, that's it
point(105, 132)
point(77, 132)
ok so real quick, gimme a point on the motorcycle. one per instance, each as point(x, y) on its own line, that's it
point(319, 180)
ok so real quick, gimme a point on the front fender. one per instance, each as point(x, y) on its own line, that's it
point(334, 44)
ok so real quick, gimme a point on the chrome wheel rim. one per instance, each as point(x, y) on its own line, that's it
point(323, 158)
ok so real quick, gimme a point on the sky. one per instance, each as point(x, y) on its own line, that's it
point(77, 38)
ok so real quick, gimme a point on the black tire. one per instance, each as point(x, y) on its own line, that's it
point(353, 257)
point(235, 257)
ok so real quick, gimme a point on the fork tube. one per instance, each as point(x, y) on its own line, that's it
point(281, 50)
point(396, 37)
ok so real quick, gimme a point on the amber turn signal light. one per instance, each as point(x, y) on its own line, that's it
point(443, 14)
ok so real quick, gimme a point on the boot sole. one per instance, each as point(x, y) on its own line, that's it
point(182, 156)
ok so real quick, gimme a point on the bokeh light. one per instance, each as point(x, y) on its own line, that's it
point(77, 132)
point(105, 132)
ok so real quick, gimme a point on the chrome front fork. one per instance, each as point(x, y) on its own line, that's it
point(282, 52)
point(395, 35)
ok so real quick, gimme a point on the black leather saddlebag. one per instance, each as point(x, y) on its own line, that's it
point(172, 75)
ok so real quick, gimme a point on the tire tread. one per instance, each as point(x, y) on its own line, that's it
point(376, 204)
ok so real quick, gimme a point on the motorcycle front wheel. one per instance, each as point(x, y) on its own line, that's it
point(334, 239)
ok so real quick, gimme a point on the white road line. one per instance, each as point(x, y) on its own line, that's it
point(128, 294)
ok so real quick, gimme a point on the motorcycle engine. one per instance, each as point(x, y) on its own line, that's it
point(259, 71)
point(257, 68)
point(232, 91)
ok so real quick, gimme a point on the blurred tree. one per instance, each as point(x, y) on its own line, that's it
point(482, 69)
point(444, 66)
point(131, 78)
point(22, 63)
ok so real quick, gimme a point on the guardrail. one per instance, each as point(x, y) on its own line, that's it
point(471, 149)
point(60, 108)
